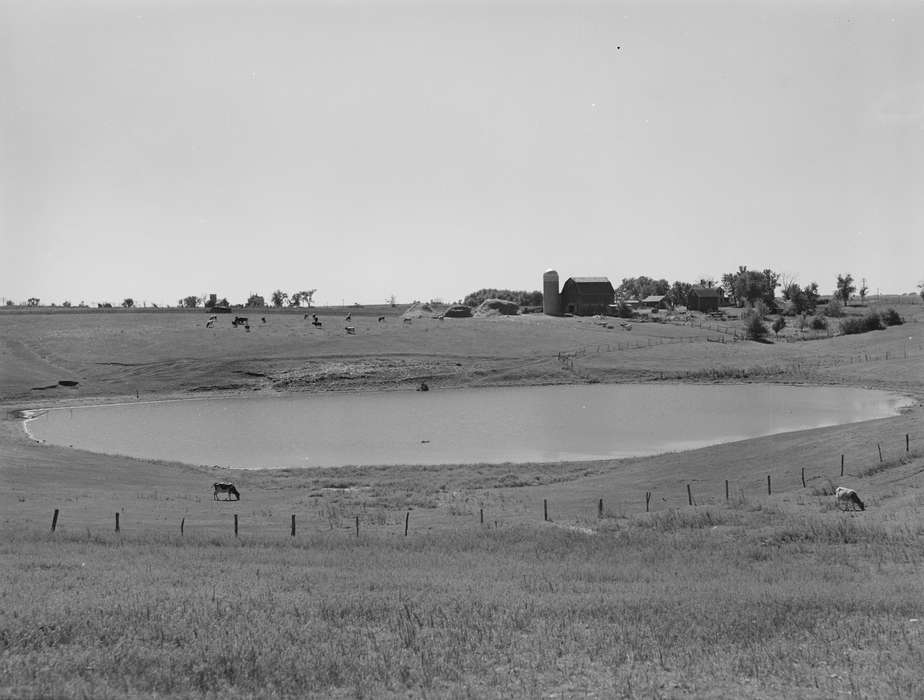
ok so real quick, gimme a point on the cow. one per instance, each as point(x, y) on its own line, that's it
point(209, 323)
point(239, 321)
point(316, 323)
point(349, 317)
point(228, 488)
point(847, 499)
point(351, 330)
point(407, 320)
point(381, 319)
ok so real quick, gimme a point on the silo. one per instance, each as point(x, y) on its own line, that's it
point(551, 299)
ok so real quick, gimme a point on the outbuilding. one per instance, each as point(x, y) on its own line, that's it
point(705, 299)
point(586, 296)
point(656, 301)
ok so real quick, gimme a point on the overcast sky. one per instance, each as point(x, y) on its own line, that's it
point(157, 149)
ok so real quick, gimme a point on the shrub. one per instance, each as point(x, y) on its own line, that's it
point(834, 309)
point(869, 322)
point(778, 325)
point(753, 326)
point(890, 317)
point(819, 323)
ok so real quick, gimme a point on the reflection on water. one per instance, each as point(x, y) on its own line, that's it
point(522, 424)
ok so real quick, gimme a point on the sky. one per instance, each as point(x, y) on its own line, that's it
point(156, 149)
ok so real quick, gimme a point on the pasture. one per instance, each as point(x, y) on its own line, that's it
point(757, 595)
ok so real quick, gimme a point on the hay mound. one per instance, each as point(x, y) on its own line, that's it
point(497, 307)
point(418, 310)
point(458, 312)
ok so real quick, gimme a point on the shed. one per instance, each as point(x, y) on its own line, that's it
point(705, 299)
point(656, 301)
point(586, 296)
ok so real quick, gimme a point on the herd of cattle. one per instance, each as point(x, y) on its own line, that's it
point(315, 321)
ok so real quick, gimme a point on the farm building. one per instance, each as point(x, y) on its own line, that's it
point(656, 301)
point(586, 296)
point(706, 299)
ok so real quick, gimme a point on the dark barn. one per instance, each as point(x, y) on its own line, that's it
point(586, 296)
point(704, 299)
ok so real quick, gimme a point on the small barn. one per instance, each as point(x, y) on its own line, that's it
point(586, 296)
point(705, 299)
point(656, 301)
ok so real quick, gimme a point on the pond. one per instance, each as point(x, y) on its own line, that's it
point(460, 426)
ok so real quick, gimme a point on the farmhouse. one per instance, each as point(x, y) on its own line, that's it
point(704, 299)
point(586, 296)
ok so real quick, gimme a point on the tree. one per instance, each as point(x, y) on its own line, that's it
point(256, 300)
point(747, 286)
point(678, 293)
point(778, 325)
point(66, 304)
point(753, 326)
point(189, 302)
point(845, 288)
point(128, 303)
point(279, 298)
point(32, 301)
point(863, 291)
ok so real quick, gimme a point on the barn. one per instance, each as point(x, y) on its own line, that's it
point(586, 296)
point(705, 299)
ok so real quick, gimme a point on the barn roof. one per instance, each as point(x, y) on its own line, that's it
point(707, 292)
point(655, 298)
point(590, 280)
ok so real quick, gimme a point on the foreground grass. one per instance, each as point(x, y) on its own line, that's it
point(745, 601)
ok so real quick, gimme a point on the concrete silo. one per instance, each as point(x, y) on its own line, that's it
point(551, 299)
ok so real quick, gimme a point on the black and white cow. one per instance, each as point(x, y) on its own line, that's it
point(228, 488)
point(847, 499)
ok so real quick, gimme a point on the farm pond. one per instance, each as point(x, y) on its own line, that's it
point(458, 426)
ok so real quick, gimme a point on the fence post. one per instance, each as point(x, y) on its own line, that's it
point(545, 509)
point(182, 524)
point(54, 520)
point(689, 495)
point(803, 477)
point(357, 526)
point(235, 524)
point(647, 500)
point(481, 515)
point(407, 519)
point(293, 524)
point(907, 443)
point(769, 490)
point(117, 521)
point(842, 465)
point(726, 489)
point(600, 509)
point(879, 447)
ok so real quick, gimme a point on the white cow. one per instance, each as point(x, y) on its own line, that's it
point(228, 488)
point(847, 499)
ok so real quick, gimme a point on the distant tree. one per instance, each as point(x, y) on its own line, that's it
point(32, 301)
point(921, 290)
point(391, 301)
point(641, 287)
point(747, 286)
point(279, 298)
point(678, 293)
point(189, 302)
point(778, 325)
point(753, 326)
point(9, 302)
point(844, 288)
point(523, 298)
point(66, 304)
point(307, 296)
point(255, 300)
point(128, 303)
point(800, 300)
point(863, 291)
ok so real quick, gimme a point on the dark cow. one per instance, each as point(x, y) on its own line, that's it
point(351, 330)
point(239, 321)
point(381, 319)
point(228, 488)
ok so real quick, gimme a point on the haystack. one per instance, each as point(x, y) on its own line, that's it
point(458, 312)
point(497, 307)
point(418, 310)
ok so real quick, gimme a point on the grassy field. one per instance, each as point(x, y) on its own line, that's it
point(759, 595)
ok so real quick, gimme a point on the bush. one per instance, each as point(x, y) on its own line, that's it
point(819, 323)
point(778, 325)
point(834, 309)
point(890, 317)
point(869, 322)
point(753, 326)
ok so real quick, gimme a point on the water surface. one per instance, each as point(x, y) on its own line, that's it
point(461, 426)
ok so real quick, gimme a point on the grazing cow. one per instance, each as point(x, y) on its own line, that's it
point(349, 317)
point(847, 499)
point(228, 488)
point(209, 323)
point(381, 319)
point(351, 330)
point(316, 323)
point(407, 320)
point(263, 318)
point(239, 321)
point(423, 387)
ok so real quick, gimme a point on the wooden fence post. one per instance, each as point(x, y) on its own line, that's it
point(117, 521)
point(879, 447)
point(803, 477)
point(842, 465)
point(357, 526)
point(545, 509)
point(235, 524)
point(600, 509)
point(907, 443)
point(769, 490)
point(726, 489)
point(54, 520)
point(182, 524)
point(407, 519)
point(647, 500)
point(689, 495)
point(481, 515)
point(293, 524)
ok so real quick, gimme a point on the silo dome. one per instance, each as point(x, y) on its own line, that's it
point(551, 299)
